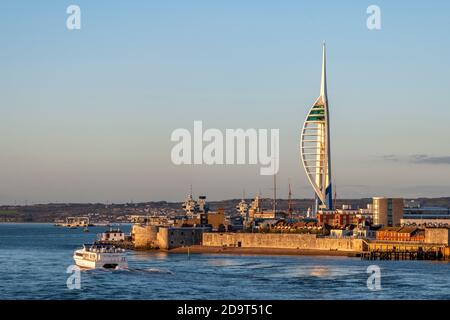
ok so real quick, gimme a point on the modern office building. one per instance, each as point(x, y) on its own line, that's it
point(387, 211)
point(426, 216)
point(315, 146)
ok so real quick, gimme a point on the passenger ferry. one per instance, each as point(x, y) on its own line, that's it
point(98, 255)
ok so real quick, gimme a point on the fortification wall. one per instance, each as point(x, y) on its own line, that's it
point(280, 240)
point(437, 235)
point(169, 238)
point(144, 237)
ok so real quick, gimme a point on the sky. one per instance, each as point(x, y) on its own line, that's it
point(87, 115)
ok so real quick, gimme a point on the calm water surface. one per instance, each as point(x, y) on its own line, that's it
point(34, 259)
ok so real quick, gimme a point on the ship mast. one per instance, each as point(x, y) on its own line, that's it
point(290, 200)
point(274, 193)
point(335, 196)
point(274, 185)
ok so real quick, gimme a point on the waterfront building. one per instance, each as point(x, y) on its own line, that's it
point(216, 220)
point(400, 234)
point(112, 235)
point(302, 226)
point(341, 233)
point(418, 211)
point(341, 218)
point(413, 204)
point(152, 220)
point(426, 216)
point(363, 231)
point(409, 243)
point(315, 146)
point(73, 222)
point(387, 211)
point(359, 231)
point(426, 221)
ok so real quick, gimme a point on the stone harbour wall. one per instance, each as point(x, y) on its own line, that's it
point(437, 236)
point(281, 240)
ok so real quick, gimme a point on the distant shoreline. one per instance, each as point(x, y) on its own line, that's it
point(28, 222)
point(53, 223)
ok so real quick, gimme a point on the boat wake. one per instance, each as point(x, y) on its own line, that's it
point(127, 270)
point(141, 270)
point(156, 270)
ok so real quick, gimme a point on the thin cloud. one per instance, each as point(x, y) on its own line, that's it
point(425, 159)
point(418, 159)
point(390, 157)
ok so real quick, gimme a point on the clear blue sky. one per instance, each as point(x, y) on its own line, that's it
point(87, 115)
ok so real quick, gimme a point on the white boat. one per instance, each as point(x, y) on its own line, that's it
point(98, 255)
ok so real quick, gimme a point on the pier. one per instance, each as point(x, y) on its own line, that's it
point(377, 250)
point(378, 254)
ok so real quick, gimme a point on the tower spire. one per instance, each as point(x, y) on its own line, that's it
point(323, 83)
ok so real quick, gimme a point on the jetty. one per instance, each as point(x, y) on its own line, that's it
point(431, 254)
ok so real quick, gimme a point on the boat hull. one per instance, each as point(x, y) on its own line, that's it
point(104, 261)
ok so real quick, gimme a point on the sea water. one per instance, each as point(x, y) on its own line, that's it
point(34, 259)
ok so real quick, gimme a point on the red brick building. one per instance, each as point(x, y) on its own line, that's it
point(339, 218)
point(401, 234)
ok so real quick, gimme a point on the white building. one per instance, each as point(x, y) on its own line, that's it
point(112, 235)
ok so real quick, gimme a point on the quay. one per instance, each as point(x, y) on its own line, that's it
point(403, 255)
point(377, 250)
point(434, 245)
